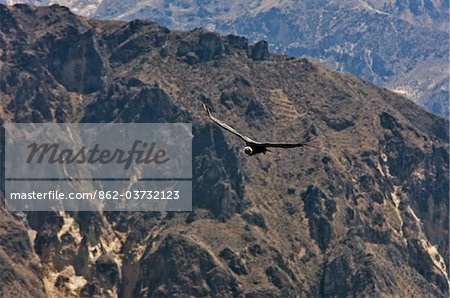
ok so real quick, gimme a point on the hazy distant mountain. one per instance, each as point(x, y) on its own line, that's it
point(82, 7)
point(363, 215)
point(427, 13)
point(400, 44)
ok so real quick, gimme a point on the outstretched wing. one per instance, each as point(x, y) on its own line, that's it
point(226, 126)
point(289, 145)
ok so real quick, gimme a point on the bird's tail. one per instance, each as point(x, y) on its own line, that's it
point(313, 143)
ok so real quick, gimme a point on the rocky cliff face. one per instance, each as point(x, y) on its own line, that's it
point(401, 45)
point(364, 214)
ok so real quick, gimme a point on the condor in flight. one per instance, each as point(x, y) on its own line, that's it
point(253, 147)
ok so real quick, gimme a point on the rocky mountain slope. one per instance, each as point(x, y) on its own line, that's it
point(401, 45)
point(366, 214)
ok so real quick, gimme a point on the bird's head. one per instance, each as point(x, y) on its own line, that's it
point(248, 150)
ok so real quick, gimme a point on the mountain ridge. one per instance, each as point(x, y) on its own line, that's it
point(401, 45)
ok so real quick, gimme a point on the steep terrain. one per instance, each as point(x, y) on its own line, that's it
point(366, 214)
point(399, 44)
